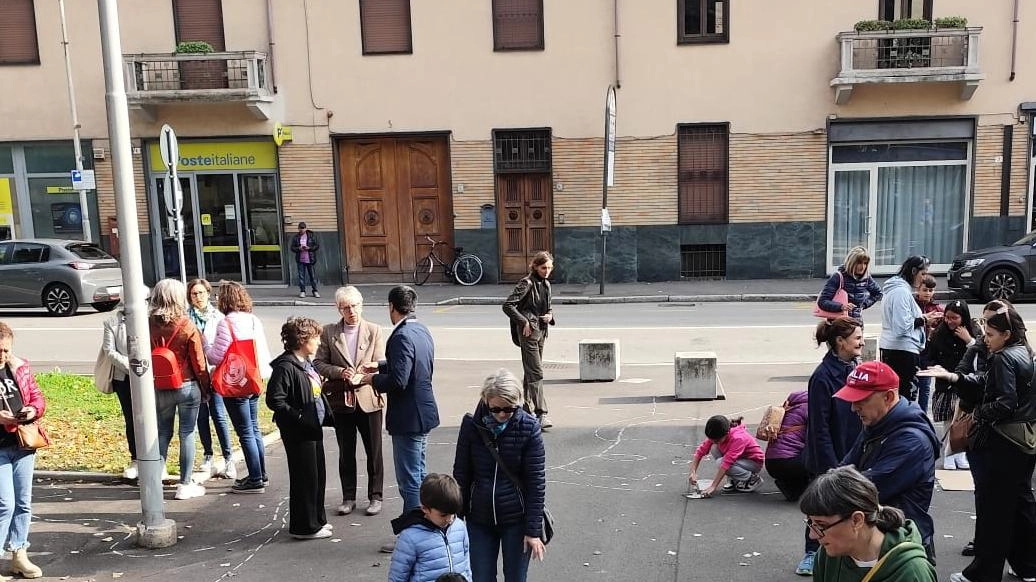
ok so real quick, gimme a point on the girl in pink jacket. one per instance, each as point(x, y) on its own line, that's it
point(740, 456)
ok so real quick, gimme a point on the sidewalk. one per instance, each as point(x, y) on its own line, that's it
point(665, 292)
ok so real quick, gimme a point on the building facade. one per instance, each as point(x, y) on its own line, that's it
point(753, 140)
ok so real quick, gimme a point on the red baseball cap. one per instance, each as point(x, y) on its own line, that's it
point(866, 379)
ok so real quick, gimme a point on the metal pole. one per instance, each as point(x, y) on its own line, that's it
point(154, 530)
point(84, 208)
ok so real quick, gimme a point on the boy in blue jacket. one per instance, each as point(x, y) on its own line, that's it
point(432, 541)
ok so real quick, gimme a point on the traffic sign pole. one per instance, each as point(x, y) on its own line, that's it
point(170, 151)
point(84, 208)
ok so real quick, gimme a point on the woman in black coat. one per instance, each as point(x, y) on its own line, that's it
point(502, 517)
point(300, 411)
point(947, 346)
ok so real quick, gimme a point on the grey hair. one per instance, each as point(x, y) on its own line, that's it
point(168, 300)
point(344, 294)
point(502, 384)
point(843, 491)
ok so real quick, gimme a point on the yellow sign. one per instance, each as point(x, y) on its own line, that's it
point(220, 249)
point(61, 190)
point(282, 133)
point(206, 220)
point(6, 204)
point(215, 156)
point(264, 248)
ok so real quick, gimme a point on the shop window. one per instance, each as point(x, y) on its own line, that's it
point(53, 158)
point(6, 160)
point(18, 42)
point(897, 9)
point(703, 21)
point(385, 27)
point(703, 177)
point(517, 25)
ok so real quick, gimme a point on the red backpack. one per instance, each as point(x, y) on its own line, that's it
point(237, 376)
point(166, 366)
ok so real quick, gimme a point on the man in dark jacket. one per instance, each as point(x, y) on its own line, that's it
point(305, 245)
point(406, 376)
point(898, 446)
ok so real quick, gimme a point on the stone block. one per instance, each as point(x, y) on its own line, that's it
point(696, 376)
point(870, 348)
point(598, 360)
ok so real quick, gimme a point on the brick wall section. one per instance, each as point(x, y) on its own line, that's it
point(645, 181)
point(988, 144)
point(1020, 170)
point(103, 172)
point(308, 186)
point(778, 178)
point(472, 168)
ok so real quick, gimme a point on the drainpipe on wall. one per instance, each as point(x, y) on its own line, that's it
point(1014, 38)
point(615, 13)
point(269, 35)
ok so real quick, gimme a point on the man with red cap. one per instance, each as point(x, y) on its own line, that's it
point(898, 446)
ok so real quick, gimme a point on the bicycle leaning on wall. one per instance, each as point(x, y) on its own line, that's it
point(465, 269)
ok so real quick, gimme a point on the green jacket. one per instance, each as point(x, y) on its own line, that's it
point(906, 564)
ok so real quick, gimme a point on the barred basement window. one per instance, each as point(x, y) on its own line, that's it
point(18, 42)
point(703, 179)
point(526, 150)
point(517, 25)
point(703, 261)
point(385, 27)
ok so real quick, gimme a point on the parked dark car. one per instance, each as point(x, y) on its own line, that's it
point(1004, 272)
point(59, 275)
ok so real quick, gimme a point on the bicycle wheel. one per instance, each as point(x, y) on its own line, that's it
point(467, 269)
point(423, 270)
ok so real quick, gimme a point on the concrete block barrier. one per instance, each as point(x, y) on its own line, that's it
point(598, 360)
point(696, 376)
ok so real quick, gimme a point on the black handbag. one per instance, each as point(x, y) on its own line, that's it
point(548, 518)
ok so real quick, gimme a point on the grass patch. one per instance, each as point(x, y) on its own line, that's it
point(87, 431)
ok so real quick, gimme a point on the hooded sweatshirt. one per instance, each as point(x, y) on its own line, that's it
point(899, 311)
point(792, 437)
point(833, 426)
point(908, 563)
point(898, 454)
point(425, 551)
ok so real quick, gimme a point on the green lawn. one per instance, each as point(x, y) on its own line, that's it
point(87, 431)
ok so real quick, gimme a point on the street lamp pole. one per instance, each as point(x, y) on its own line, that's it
point(84, 207)
point(154, 530)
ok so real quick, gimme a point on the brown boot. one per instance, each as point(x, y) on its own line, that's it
point(20, 564)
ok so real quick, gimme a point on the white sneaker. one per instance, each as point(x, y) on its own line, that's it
point(229, 469)
point(188, 490)
point(320, 534)
point(316, 294)
point(206, 467)
point(130, 472)
point(961, 460)
point(948, 463)
point(302, 294)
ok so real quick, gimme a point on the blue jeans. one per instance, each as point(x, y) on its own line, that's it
point(184, 401)
point(488, 541)
point(214, 409)
point(244, 414)
point(408, 451)
point(16, 468)
point(307, 277)
point(924, 392)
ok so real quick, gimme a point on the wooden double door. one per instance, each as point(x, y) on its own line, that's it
point(395, 192)
point(525, 217)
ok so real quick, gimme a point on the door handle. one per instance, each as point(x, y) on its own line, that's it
point(251, 237)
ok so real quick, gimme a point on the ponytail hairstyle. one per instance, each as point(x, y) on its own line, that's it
point(829, 330)
point(912, 266)
point(843, 491)
point(717, 427)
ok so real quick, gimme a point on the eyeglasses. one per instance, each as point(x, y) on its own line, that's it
point(353, 307)
point(499, 409)
point(198, 293)
point(820, 530)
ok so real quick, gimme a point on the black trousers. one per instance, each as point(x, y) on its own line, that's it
point(368, 425)
point(905, 364)
point(789, 475)
point(307, 479)
point(1005, 510)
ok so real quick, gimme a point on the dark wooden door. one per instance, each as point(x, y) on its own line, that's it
point(526, 218)
point(395, 191)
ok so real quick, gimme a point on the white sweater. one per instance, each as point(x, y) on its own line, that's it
point(246, 326)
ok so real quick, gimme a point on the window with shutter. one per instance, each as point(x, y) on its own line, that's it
point(199, 20)
point(385, 27)
point(703, 176)
point(517, 25)
point(18, 43)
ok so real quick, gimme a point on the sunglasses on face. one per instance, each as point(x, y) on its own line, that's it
point(499, 409)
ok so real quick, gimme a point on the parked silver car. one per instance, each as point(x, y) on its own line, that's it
point(60, 275)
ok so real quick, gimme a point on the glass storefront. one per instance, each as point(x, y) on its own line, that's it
point(36, 195)
point(231, 211)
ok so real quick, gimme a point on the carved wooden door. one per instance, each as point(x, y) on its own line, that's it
point(526, 219)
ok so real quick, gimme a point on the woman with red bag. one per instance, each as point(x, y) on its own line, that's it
point(861, 290)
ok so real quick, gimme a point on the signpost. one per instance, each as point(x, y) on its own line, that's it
point(84, 207)
point(170, 151)
point(609, 176)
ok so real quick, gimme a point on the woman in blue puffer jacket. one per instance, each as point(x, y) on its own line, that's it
point(853, 276)
point(500, 516)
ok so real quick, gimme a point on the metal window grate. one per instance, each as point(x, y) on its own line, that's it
point(703, 176)
point(521, 151)
point(703, 261)
point(911, 52)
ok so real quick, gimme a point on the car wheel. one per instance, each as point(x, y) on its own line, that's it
point(1001, 284)
point(105, 305)
point(59, 299)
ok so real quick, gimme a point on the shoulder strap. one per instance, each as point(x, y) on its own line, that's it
point(496, 455)
point(176, 330)
point(230, 328)
point(841, 280)
point(901, 545)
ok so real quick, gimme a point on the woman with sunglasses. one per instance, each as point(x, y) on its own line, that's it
point(1002, 454)
point(858, 536)
point(499, 444)
point(904, 324)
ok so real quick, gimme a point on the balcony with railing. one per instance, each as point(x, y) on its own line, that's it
point(223, 77)
point(909, 56)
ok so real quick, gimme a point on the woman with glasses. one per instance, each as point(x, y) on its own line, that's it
point(206, 318)
point(1002, 451)
point(903, 324)
point(344, 347)
point(500, 466)
point(858, 536)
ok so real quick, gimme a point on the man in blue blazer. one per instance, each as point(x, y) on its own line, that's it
point(406, 376)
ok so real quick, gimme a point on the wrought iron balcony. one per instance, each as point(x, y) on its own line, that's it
point(909, 56)
point(163, 79)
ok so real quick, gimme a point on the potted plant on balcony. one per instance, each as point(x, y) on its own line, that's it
point(200, 74)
